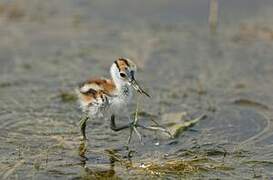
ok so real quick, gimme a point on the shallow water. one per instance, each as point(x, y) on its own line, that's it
point(47, 48)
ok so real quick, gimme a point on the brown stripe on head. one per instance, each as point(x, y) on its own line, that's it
point(122, 64)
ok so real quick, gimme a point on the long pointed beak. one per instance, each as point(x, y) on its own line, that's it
point(138, 88)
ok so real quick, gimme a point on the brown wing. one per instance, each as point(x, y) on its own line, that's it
point(92, 90)
point(105, 85)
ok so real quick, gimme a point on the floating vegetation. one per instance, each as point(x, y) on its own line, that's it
point(11, 170)
point(5, 84)
point(250, 103)
point(260, 162)
point(183, 167)
point(67, 97)
point(178, 129)
point(12, 11)
point(178, 167)
point(253, 32)
point(177, 123)
point(195, 164)
point(99, 173)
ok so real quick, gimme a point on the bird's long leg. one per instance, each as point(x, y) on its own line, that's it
point(133, 128)
point(130, 136)
point(138, 134)
point(83, 126)
point(134, 125)
point(114, 127)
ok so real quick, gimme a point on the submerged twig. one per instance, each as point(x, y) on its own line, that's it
point(213, 15)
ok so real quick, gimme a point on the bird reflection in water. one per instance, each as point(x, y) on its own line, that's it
point(104, 172)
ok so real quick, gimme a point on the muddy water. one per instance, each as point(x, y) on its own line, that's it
point(47, 48)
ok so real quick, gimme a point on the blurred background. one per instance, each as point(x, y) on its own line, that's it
point(210, 57)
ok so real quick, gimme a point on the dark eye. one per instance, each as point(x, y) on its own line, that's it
point(122, 75)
